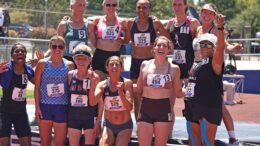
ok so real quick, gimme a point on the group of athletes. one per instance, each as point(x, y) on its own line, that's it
point(74, 87)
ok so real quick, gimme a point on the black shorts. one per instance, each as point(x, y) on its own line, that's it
point(20, 122)
point(100, 57)
point(81, 124)
point(188, 111)
point(155, 110)
point(212, 115)
point(135, 67)
point(184, 70)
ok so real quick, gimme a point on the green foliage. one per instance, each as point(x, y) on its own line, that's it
point(39, 32)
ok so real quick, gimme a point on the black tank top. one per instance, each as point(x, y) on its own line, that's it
point(209, 87)
point(79, 87)
point(182, 38)
point(9, 105)
point(150, 30)
point(108, 92)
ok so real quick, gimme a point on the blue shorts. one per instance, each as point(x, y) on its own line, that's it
point(116, 129)
point(54, 112)
point(20, 122)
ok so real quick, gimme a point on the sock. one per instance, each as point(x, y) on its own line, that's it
point(231, 134)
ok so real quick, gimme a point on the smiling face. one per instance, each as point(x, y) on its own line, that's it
point(57, 48)
point(161, 47)
point(207, 16)
point(110, 6)
point(206, 49)
point(78, 7)
point(18, 54)
point(82, 61)
point(143, 8)
point(114, 66)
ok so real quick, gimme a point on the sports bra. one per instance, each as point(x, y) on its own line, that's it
point(108, 32)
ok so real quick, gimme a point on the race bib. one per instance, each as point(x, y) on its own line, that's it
point(19, 94)
point(158, 80)
point(142, 39)
point(190, 89)
point(110, 33)
point(82, 34)
point(86, 84)
point(24, 79)
point(79, 100)
point(185, 29)
point(55, 90)
point(179, 56)
point(74, 44)
point(113, 103)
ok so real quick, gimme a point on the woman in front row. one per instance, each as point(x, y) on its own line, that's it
point(158, 84)
point(205, 88)
point(115, 94)
point(82, 82)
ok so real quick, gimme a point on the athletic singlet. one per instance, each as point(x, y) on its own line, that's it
point(207, 86)
point(112, 100)
point(182, 37)
point(158, 80)
point(74, 37)
point(108, 32)
point(54, 83)
point(14, 98)
point(143, 38)
point(79, 91)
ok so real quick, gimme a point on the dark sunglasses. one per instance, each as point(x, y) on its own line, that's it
point(142, 7)
point(61, 47)
point(111, 5)
point(204, 45)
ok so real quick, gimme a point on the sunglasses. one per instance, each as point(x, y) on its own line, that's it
point(204, 45)
point(61, 47)
point(142, 7)
point(111, 5)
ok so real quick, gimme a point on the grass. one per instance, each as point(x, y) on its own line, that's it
point(29, 93)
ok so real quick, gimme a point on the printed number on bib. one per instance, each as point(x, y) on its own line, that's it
point(190, 90)
point(158, 80)
point(82, 34)
point(179, 56)
point(79, 100)
point(19, 94)
point(114, 103)
point(24, 79)
point(185, 29)
point(74, 44)
point(86, 84)
point(55, 90)
point(142, 39)
point(110, 33)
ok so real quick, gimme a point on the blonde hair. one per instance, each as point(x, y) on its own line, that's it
point(72, 2)
point(117, 2)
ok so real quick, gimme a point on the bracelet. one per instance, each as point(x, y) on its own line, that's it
point(221, 28)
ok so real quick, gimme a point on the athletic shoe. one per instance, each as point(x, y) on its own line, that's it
point(233, 142)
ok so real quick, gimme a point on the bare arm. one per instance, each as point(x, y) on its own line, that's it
point(160, 29)
point(99, 97)
point(38, 74)
point(177, 90)
point(94, 79)
point(218, 57)
point(128, 26)
point(92, 34)
point(127, 97)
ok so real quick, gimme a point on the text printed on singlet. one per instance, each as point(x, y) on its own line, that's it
point(110, 33)
point(24, 79)
point(185, 29)
point(114, 103)
point(179, 56)
point(158, 80)
point(55, 90)
point(142, 39)
point(86, 84)
point(18, 94)
point(79, 100)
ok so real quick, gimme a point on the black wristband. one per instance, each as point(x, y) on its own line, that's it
point(221, 28)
